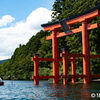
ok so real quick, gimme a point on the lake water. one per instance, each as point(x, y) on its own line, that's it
point(26, 90)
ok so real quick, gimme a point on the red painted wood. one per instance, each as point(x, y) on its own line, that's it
point(36, 70)
point(73, 68)
point(45, 77)
point(76, 55)
point(95, 76)
point(94, 56)
point(77, 30)
point(79, 19)
point(86, 52)
point(76, 76)
point(65, 56)
point(65, 66)
point(73, 76)
point(55, 57)
point(68, 59)
point(46, 59)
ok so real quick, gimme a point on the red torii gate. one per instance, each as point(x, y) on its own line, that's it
point(83, 18)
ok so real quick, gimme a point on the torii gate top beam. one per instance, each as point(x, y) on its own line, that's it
point(89, 14)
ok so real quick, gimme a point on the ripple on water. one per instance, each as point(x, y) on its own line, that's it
point(26, 90)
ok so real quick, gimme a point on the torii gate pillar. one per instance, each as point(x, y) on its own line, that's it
point(86, 52)
point(55, 57)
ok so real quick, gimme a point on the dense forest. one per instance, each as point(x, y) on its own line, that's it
point(20, 66)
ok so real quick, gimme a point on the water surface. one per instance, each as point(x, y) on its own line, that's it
point(26, 90)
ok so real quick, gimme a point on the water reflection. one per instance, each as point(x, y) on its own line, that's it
point(85, 92)
point(26, 90)
point(71, 92)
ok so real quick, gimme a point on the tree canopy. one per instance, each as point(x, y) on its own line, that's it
point(20, 66)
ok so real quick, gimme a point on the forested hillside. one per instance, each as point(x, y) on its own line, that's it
point(20, 66)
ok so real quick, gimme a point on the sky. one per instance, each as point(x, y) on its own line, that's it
point(19, 21)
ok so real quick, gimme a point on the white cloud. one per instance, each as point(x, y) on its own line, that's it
point(21, 32)
point(6, 20)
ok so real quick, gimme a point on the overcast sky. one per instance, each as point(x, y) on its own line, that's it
point(19, 21)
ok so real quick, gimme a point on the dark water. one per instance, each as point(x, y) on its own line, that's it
point(26, 90)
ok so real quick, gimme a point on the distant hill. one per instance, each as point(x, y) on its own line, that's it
point(1, 61)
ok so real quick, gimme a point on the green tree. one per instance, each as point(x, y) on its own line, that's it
point(67, 8)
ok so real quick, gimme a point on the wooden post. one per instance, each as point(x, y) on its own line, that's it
point(55, 57)
point(36, 70)
point(65, 66)
point(73, 68)
point(86, 52)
